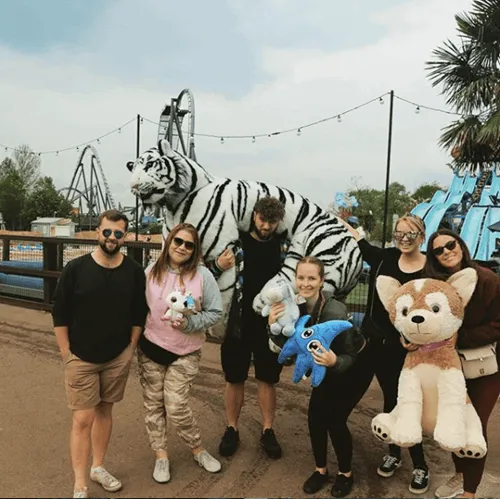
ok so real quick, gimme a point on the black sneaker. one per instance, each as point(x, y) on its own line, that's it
point(315, 482)
point(389, 466)
point(420, 481)
point(229, 443)
point(342, 486)
point(269, 443)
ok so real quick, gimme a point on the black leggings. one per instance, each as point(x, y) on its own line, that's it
point(385, 361)
point(332, 402)
point(330, 405)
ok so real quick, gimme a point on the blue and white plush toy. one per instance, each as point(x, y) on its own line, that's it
point(304, 340)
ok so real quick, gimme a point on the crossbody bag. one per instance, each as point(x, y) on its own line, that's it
point(479, 362)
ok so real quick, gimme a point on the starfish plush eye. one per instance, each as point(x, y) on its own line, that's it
point(307, 333)
point(313, 345)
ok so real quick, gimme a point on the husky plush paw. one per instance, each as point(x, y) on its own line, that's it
point(381, 427)
point(472, 451)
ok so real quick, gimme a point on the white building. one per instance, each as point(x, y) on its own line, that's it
point(53, 227)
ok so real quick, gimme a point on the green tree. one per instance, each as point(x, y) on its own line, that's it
point(45, 201)
point(469, 75)
point(424, 192)
point(28, 164)
point(371, 208)
point(13, 194)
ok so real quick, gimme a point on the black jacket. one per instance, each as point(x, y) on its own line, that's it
point(346, 345)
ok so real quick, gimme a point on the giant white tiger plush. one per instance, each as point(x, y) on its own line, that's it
point(220, 207)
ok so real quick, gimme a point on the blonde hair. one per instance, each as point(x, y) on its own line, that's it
point(414, 221)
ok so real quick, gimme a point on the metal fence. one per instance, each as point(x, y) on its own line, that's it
point(31, 265)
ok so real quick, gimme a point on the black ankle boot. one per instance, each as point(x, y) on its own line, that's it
point(315, 482)
point(342, 486)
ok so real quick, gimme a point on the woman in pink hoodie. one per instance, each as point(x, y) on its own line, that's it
point(169, 351)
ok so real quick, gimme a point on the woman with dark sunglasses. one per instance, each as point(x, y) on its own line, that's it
point(169, 353)
point(385, 353)
point(447, 253)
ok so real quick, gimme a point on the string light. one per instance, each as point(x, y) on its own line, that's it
point(253, 137)
point(76, 146)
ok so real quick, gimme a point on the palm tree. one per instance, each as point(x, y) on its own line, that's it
point(469, 74)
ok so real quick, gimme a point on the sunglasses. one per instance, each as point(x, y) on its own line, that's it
point(400, 235)
point(450, 246)
point(118, 233)
point(189, 245)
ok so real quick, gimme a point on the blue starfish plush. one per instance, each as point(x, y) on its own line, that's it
point(306, 339)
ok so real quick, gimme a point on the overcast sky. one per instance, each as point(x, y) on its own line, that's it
point(71, 71)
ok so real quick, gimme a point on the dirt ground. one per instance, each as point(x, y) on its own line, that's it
point(34, 425)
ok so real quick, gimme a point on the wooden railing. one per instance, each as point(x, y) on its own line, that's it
point(51, 254)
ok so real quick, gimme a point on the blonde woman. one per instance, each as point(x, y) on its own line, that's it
point(169, 353)
point(385, 352)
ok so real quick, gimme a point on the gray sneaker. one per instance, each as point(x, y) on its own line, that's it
point(205, 460)
point(452, 488)
point(161, 472)
point(105, 478)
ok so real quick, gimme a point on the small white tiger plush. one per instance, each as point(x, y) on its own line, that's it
point(220, 207)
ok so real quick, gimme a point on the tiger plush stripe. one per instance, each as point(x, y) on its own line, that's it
point(220, 207)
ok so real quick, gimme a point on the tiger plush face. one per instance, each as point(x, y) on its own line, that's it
point(427, 310)
point(152, 176)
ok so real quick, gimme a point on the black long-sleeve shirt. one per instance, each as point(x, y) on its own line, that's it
point(386, 262)
point(100, 306)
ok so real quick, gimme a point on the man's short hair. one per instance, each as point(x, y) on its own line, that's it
point(271, 209)
point(113, 216)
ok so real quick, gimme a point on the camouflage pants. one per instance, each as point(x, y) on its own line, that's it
point(165, 391)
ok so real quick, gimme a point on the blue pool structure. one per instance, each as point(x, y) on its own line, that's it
point(470, 207)
point(22, 286)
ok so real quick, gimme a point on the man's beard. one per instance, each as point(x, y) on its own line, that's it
point(264, 237)
point(109, 251)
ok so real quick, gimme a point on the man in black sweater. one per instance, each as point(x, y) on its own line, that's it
point(259, 256)
point(99, 312)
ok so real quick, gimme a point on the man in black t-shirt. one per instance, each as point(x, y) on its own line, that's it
point(99, 312)
point(246, 338)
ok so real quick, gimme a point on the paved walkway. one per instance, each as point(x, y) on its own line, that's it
point(34, 424)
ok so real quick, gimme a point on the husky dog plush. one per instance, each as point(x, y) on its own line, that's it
point(432, 395)
point(304, 340)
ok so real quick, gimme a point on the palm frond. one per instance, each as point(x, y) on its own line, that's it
point(467, 86)
point(490, 131)
point(462, 138)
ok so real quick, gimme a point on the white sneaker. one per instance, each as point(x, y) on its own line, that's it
point(452, 488)
point(205, 460)
point(81, 494)
point(161, 472)
point(106, 479)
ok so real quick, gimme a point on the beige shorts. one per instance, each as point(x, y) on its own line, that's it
point(88, 384)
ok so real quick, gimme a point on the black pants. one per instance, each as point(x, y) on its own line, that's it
point(385, 361)
point(330, 405)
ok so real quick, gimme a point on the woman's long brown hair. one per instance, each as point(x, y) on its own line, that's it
point(189, 267)
point(433, 268)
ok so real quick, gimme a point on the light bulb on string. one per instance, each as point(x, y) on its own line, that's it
point(253, 139)
point(119, 130)
point(222, 140)
point(417, 110)
point(57, 153)
point(6, 149)
point(339, 118)
point(299, 132)
point(77, 149)
point(142, 120)
point(98, 141)
point(381, 100)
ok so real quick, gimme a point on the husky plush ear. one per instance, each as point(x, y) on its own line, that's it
point(164, 148)
point(387, 288)
point(464, 283)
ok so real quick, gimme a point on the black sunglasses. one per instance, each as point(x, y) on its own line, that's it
point(118, 233)
point(189, 245)
point(450, 246)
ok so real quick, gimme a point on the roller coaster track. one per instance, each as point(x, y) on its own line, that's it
point(89, 189)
